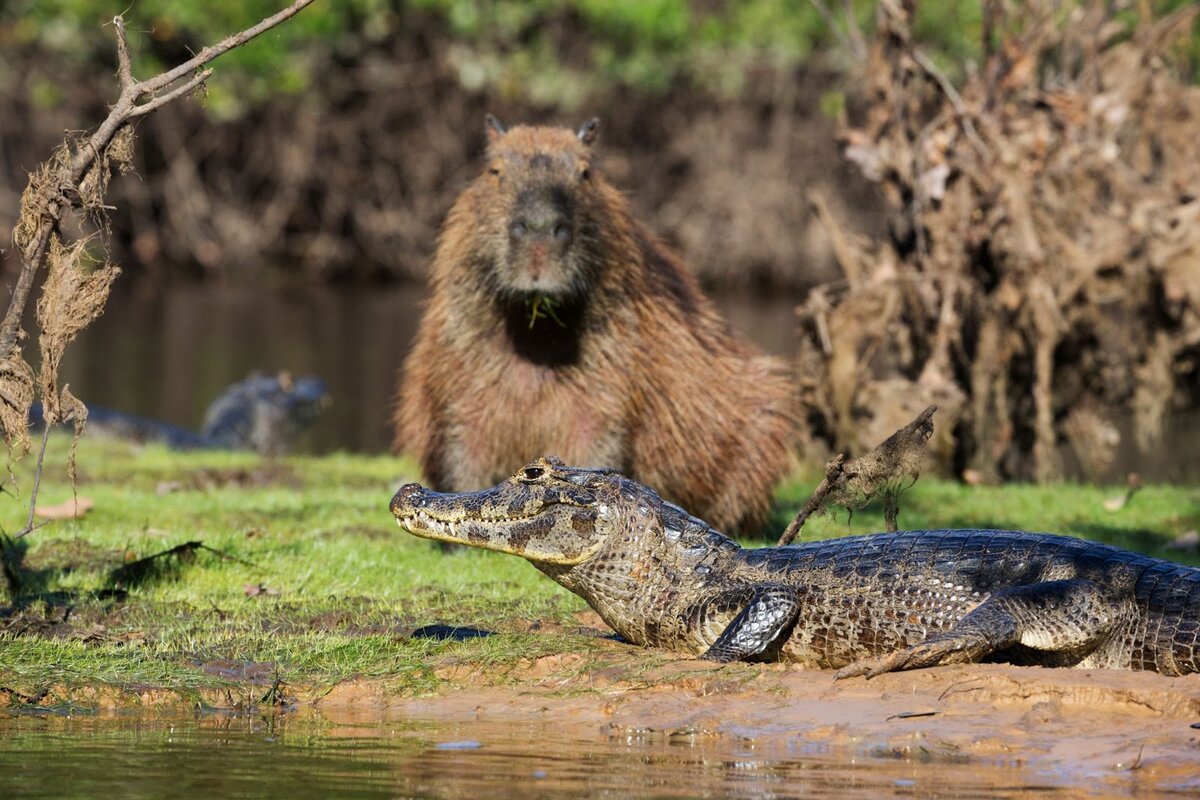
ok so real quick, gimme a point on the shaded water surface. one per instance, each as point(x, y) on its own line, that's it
point(167, 352)
point(257, 757)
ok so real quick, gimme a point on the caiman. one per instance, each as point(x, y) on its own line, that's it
point(263, 414)
point(862, 604)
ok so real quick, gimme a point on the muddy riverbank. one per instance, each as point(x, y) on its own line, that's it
point(978, 729)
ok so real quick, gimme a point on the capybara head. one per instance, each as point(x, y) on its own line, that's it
point(539, 200)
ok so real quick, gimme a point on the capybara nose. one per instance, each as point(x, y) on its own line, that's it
point(408, 497)
point(540, 228)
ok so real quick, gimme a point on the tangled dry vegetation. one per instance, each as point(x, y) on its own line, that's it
point(1041, 278)
point(77, 284)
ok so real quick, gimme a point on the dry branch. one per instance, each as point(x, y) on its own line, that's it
point(77, 176)
point(834, 469)
point(880, 473)
point(129, 105)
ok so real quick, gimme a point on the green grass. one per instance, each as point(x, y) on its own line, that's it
point(343, 587)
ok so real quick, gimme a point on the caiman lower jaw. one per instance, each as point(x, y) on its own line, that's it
point(532, 538)
point(467, 530)
point(513, 535)
point(426, 525)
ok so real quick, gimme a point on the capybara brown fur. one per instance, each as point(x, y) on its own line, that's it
point(557, 324)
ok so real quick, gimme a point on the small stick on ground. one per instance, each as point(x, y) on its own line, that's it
point(138, 571)
point(877, 473)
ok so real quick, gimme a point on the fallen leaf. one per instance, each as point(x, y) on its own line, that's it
point(256, 589)
point(1188, 541)
point(1115, 504)
point(1133, 482)
point(68, 509)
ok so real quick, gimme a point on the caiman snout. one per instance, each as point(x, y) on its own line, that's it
point(408, 497)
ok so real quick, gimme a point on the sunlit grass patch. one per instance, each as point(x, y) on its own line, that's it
point(306, 580)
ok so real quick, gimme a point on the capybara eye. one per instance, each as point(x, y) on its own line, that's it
point(533, 473)
point(586, 174)
point(494, 170)
point(561, 232)
point(517, 229)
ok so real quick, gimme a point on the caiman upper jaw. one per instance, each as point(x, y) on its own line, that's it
point(510, 518)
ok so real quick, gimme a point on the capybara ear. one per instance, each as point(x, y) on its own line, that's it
point(493, 127)
point(589, 130)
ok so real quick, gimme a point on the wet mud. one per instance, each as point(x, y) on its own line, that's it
point(1109, 730)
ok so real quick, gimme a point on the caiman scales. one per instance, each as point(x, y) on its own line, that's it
point(862, 604)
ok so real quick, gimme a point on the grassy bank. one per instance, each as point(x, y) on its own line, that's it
point(308, 582)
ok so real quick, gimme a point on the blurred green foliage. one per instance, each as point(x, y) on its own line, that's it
point(545, 51)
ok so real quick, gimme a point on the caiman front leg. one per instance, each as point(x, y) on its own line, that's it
point(1065, 619)
point(766, 617)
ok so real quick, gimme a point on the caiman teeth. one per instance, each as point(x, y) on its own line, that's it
point(423, 522)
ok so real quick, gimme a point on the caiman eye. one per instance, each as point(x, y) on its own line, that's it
point(532, 473)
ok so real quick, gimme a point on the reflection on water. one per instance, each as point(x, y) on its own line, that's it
point(255, 757)
point(166, 353)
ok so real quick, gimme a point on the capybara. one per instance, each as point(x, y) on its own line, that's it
point(557, 324)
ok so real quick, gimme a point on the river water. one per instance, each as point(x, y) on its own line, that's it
point(167, 352)
point(252, 756)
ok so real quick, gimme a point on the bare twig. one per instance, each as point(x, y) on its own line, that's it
point(858, 41)
point(124, 62)
point(833, 480)
point(160, 82)
point(843, 252)
point(955, 99)
point(184, 89)
point(135, 572)
point(850, 37)
point(37, 481)
point(891, 511)
point(878, 473)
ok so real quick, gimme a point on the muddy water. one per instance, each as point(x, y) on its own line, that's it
point(167, 352)
point(233, 757)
